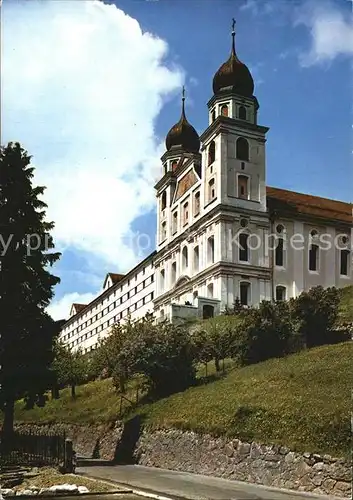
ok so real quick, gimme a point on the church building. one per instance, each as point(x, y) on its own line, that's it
point(222, 233)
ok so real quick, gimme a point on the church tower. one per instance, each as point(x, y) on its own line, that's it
point(234, 143)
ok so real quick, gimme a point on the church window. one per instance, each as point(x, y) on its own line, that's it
point(164, 231)
point(224, 110)
point(242, 112)
point(213, 115)
point(175, 222)
point(185, 258)
point(280, 293)
point(279, 252)
point(211, 190)
point(243, 189)
point(174, 270)
point(210, 291)
point(164, 200)
point(243, 247)
point(174, 164)
point(210, 250)
point(197, 203)
point(162, 279)
point(242, 149)
point(313, 257)
point(211, 153)
point(344, 262)
point(244, 293)
point(196, 259)
point(186, 213)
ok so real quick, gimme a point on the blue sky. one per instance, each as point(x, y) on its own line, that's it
point(94, 104)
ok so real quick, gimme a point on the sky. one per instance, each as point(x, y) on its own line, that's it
point(90, 89)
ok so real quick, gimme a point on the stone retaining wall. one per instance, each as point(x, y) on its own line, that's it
point(93, 441)
point(221, 457)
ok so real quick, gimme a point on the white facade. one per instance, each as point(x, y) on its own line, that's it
point(209, 204)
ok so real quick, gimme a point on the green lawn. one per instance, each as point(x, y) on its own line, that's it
point(302, 401)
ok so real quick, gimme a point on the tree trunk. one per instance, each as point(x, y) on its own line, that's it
point(73, 391)
point(55, 392)
point(218, 368)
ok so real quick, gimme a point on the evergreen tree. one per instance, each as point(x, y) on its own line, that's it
point(26, 285)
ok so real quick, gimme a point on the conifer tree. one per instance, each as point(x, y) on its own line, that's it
point(26, 285)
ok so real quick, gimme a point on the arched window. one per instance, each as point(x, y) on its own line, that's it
point(313, 257)
point(243, 188)
point(211, 152)
point(243, 247)
point(244, 293)
point(213, 115)
point(164, 200)
point(174, 272)
point(242, 112)
point(162, 279)
point(344, 267)
point(174, 164)
point(175, 222)
point(279, 252)
point(242, 149)
point(224, 110)
point(211, 190)
point(281, 293)
point(210, 291)
point(186, 213)
point(164, 231)
point(210, 250)
point(197, 203)
point(185, 258)
point(196, 264)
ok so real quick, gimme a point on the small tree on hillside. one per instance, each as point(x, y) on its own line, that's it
point(70, 367)
point(26, 285)
point(163, 353)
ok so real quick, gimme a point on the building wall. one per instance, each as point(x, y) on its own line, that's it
point(132, 295)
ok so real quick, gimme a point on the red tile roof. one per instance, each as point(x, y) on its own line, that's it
point(284, 201)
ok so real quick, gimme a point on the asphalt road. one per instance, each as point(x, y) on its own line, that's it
point(189, 486)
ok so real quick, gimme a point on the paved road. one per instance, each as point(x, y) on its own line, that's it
point(189, 486)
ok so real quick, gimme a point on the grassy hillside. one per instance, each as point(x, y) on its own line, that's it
point(302, 401)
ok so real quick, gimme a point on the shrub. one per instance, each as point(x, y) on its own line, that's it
point(317, 311)
point(267, 332)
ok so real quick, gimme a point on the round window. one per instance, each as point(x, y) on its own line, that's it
point(244, 222)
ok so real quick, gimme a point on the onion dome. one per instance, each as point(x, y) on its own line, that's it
point(182, 134)
point(234, 74)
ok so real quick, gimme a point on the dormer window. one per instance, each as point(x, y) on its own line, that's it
point(224, 110)
point(211, 153)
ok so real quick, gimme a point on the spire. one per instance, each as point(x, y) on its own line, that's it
point(233, 36)
point(183, 103)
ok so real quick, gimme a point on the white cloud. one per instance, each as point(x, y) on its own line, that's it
point(82, 87)
point(61, 308)
point(331, 32)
